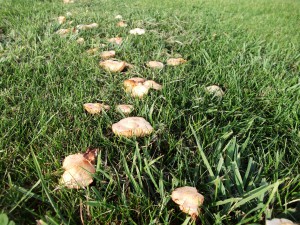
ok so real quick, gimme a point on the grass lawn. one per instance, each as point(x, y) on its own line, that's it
point(240, 151)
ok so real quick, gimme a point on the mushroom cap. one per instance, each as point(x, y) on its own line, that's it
point(175, 61)
point(119, 17)
point(63, 32)
point(107, 54)
point(80, 40)
point(188, 199)
point(132, 82)
point(86, 26)
point(155, 65)
point(95, 108)
point(116, 40)
point(78, 170)
point(139, 91)
point(126, 109)
point(132, 126)
point(121, 24)
point(92, 50)
point(277, 221)
point(61, 19)
point(152, 84)
point(137, 31)
point(112, 65)
point(215, 90)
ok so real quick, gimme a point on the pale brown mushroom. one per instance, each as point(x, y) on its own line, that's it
point(152, 84)
point(79, 169)
point(92, 50)
point(137, 31)
point(107, 54)
point(61, 19)
point(80, 41)
point(132, 127)
point(116, 40)
point(215, 90)
point(138, 87)
point(155, 65)
point(176, 61)
point(121, 24)
point(68, 1)
point(126, 109)
point(188, 199)
point(119, 17)
point(87, 26)
point(113, 65)
point(95, 108)
point(277, 221)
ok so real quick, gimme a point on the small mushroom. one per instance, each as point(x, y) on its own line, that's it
point(79, 169)
point(61, 19)
point(215, 90)
point(65, 32)
point(119, 17)
point(175, 61)
point(116, 40)
point(107, 54)
point(95, 108)
point(86, 27)
point(92, 50)
point(121, 24)
point(132, 127)
point(126, 109)
point(80, 41)
point(68, 14)
point(188, 199)
point(68, 1)
point(113, 65)
point(137, 31)
point(152, 84)
point(277, 221)
point(155, 65)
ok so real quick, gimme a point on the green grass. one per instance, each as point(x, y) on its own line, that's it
point(241, 152)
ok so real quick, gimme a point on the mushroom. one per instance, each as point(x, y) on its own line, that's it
point(107, 54)
point(277, 221)
point(113, 65)
point(116, 40)
point(68, 14)
point(86, 27)
point(64, 32)
point(137, 31)
point(68, 1)
point(188, 199)
point(95, 108)
point(155, 65)
point(80, 41)
point(121, 24)
point(61, 19)
point(132, 127)
point(215, 90)
point(126, 109)
point(79, 169)
point(119, 17)
point(175, 61)
point(138, 87)
point(92, 50)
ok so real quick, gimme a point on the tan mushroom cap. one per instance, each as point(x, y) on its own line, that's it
point(68, 1)
point(79, 169)
point(121, 24)
point(175, 61)
point(95, 108)
point(107, 54)
point(188, 199)
point(132, 82)
point(87, 26)
point(137, 31)
point(80, 41)
point(113, 65)
point(116, 40)
point(61, 19)
point(277, 221)
point(92, 50)
point(215, 90)
point(126, 109)
point(132, 127)
point(152, 84)
point(64, 32)
point(119, 17)
point(155, 65)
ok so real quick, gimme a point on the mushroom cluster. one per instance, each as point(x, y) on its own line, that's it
point(139, 87)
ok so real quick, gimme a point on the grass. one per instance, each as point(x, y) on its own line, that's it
point(240, 151)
